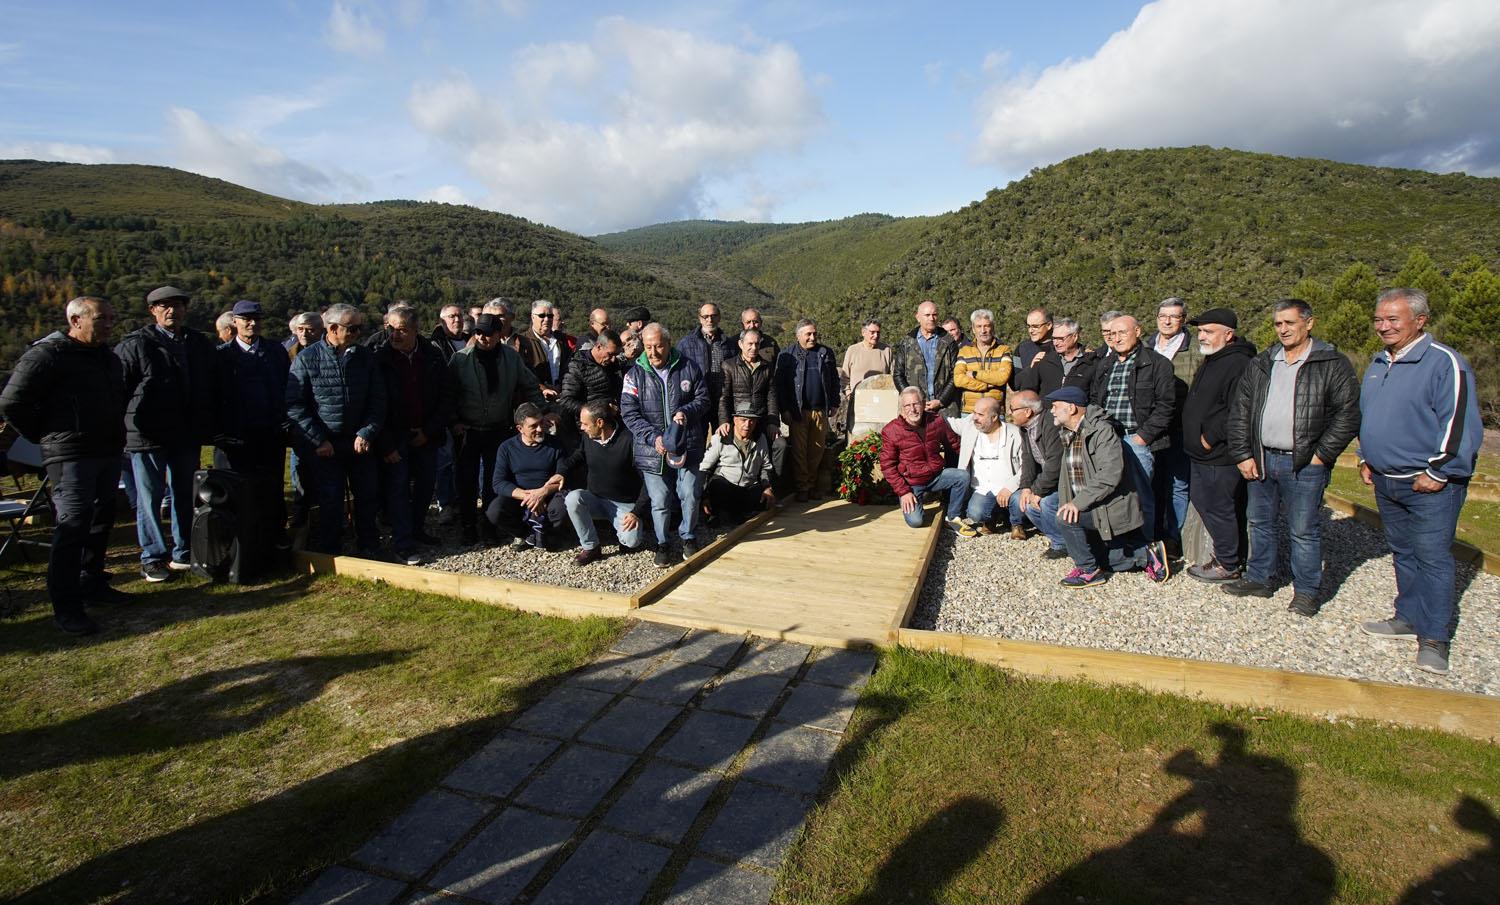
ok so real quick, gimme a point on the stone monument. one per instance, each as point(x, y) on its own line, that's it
point(876, 402)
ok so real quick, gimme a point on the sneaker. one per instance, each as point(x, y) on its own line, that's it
point(1391, 629)
point(156, 571)
point(1244, 587)
point(663, 559)
point(1303, 605)
point(1212, 572)
point(1055, 553)
point(1081, 579)
point(584, 557)
point(75, 623)
point(962, 526)
point(1432, 656)
point(1158, 567)
point(410, 558)
point(177, 566)
point(517, 544)
point(425, 539)
point(689, 547)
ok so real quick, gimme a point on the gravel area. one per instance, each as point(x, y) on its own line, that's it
point(996, 586)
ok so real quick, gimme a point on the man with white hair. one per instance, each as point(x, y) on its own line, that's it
point(912, 459)
point(984, 365)
point(543, 350)
point(1136, 389)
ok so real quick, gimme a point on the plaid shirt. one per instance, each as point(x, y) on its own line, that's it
point(1117, 402)
point(1073, 455)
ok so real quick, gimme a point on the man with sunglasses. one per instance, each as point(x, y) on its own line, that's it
point(336, 400)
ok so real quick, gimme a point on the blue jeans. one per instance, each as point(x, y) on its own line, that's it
point(154, 472)
point(407, 486)
point(1173, 475)
point(689, 489)
point(1122, 553)
point(953, 480)
point(358, 473)
point(1042, 515)
point(1300, 496)
point(584, 506)
point(1419, 529)
point(981, 506)
point(1140, 464)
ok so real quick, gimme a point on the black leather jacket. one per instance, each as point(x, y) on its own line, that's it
point(1325, 410)
point(68, 398)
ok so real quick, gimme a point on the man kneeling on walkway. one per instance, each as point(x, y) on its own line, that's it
point(1100, 509)
point(911, 458)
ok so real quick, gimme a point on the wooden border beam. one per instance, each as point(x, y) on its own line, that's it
point(659, 588)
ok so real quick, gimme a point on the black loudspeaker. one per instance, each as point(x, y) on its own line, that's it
point(230, 538)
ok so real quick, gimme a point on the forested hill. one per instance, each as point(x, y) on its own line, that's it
point(118, 231)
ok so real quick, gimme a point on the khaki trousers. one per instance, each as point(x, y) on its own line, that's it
point(808, 439)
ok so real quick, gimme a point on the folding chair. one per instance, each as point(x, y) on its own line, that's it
point(24, 453)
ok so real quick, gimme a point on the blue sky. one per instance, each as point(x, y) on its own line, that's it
point(597, 117)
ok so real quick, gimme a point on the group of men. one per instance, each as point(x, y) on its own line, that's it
point(542, 433)
point(1144, 427)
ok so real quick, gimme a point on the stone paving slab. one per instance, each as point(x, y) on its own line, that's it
point(819, 706)
point(709, 648)
point(756, 825)
point(662, 802)
point(708, 740)
point(748, 694)
point(498, 863)
point(563, 712)
point(613, 674)
point(607, 869)
point(497, 768)
point(774, 656)
point(846, 668)
point(793, 757)
point(576, 781)
point(705, 882)
point(631, 724)
point(414, 841)
point(342, 886)
point(673, 683)
point(649, 638)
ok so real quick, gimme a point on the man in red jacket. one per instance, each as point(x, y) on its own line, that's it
point(911, 458)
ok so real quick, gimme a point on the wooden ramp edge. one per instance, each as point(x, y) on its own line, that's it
point(659, 588)
point(1461, 713)
point(1463, 552)
point(543, 599)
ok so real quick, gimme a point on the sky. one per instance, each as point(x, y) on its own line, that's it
point(598, 117)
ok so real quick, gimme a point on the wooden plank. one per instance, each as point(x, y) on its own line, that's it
point(656, 589)
point(917, 577)
point(795, 634)
point(548, 600)
point(1461, 713)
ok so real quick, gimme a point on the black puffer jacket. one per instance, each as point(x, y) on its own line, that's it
point(1153, 393)
point(168, 406)
point(1325, 408)
point(1048, 373)
point(68, 398)
point(587, 380)
point(747, 389)
point(1205, 412)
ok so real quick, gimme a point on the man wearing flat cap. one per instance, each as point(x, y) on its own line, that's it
point(168, 417)
point(737, 474)
point(1216, 486)
point(250, 420)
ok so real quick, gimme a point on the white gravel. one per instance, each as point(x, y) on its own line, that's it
point(996, 586)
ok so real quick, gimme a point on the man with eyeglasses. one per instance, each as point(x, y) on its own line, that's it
point(1041, 463)
point(420, 398)
point(336, 400)
point(250, 422)
point(1029, 351)
point(708, 347)
point(913, 461)
point(1136, 389)
point(1173, 465)
point(544, 351)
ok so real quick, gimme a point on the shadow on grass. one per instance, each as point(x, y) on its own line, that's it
point(1247, 849)
point(1474, 879)
point(197, 709)
point(926, 861)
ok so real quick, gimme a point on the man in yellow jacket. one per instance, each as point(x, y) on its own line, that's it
point(983, 366)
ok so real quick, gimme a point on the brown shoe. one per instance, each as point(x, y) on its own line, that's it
point(1017, 532)
point(584, 557)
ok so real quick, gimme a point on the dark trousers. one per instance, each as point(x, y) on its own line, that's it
point(508, 515)
point(1218, 493)
point(357, 473)
point(263, 457)
point(731, 502)
point(1121, 553)
point(474, 470)
point(406, 486)
point(83, 499)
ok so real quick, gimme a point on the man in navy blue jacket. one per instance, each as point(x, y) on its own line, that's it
point(807, 390)
point(1419, 438)
point(250, 409)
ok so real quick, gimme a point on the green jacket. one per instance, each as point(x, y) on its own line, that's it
point(474, 404)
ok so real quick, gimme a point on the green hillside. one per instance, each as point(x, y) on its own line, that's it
point(696, 243)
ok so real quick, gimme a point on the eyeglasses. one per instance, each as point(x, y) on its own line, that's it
point(347, 328)
point(1018, 410)
point(542, 317)
point(708, 317)
point(1037, 326)
point(1116, 332)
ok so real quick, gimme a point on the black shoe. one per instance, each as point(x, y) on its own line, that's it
point(663, 558)
point(689, 547)
point(1055, 553)
point(104, 595)
point(75, 623)
point(1303, 605)
point(1244, 587)
point(425, 539)
point(156, 571)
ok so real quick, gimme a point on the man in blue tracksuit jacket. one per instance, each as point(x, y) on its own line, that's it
point(1418, 442)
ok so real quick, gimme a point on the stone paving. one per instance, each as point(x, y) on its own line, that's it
point(679, 766)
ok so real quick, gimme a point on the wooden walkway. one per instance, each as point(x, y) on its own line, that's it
point(829, 573)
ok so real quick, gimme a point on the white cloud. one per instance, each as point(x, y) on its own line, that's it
point(446, 194)
point(238, 156)
point(9, 51)
point(1387, 82)
point(349, 30)
point(56, 150)
point(624, 129)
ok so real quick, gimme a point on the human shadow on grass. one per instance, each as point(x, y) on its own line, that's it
point(1248, 850)
point(197, 709)
point(927, 861)
point(1473, 879)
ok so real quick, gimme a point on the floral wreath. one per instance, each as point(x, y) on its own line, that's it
point(860, 480)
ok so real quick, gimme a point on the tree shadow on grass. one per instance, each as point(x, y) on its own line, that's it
point(1474, 879)
point(1248, 850)
point(197, 709)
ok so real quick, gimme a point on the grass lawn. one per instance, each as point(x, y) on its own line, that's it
point(217, 743)
point(1478, 523)
point(961, 783)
